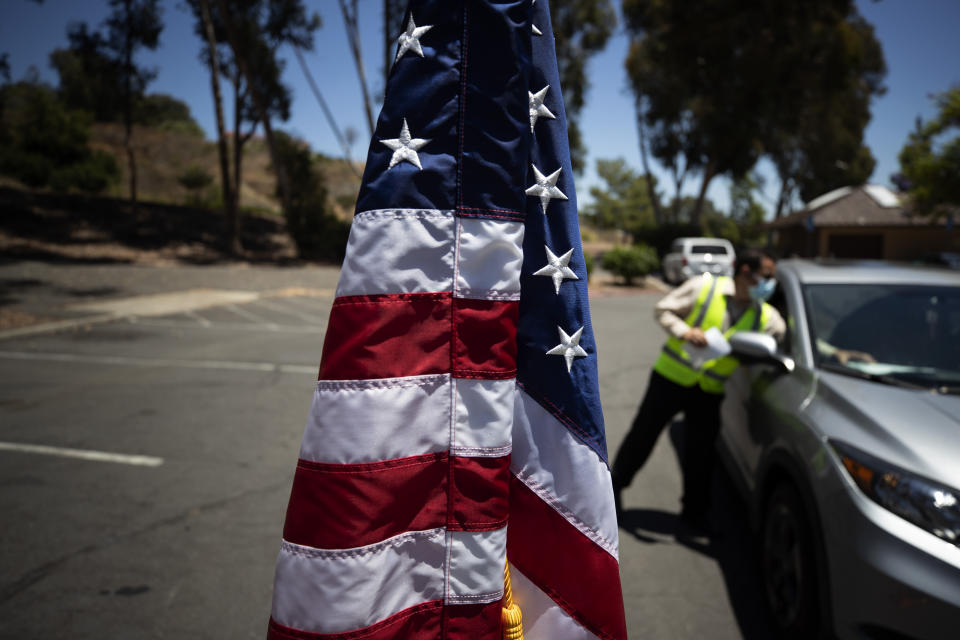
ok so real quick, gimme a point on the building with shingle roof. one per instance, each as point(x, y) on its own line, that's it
point(864, 222)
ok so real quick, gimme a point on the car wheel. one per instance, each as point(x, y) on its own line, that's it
point(789, 566)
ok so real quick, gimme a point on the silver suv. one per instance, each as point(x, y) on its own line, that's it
point(845, 441)
point(690, 257)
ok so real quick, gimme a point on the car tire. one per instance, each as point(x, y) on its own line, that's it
point(788, 566)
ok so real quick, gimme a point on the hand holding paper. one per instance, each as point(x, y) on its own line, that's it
point(716, 347)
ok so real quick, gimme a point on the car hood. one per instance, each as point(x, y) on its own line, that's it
point(917, 430)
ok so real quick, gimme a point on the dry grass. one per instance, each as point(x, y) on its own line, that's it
point(162, 156)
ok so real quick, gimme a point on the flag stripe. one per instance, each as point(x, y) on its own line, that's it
point(341, 506)
point(387, 336)
point(483, 417)
point(542, 618)
point(556, 556)
point(489, 256)
point(354, 421)
point(420, 622)
point(479, 493)
point(419, 250)
point(476, 566)
point(564, 472)
point(397, 335)
point(485, 338)
point(332, 591)
point(414, 251)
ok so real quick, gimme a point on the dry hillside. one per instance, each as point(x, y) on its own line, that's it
point(163, 155)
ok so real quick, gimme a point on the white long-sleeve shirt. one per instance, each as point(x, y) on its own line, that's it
point(674, 307)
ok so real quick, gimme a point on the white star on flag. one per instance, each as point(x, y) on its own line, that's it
point(557, 268)
point(537, 108)
point(545, 187)
point(533, 27)
point(569, 347)
point(405, 147)
point(409, 40)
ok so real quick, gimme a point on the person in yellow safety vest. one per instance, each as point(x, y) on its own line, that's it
point(679, 383)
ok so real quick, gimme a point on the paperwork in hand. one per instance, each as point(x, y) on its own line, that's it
point(717, 346)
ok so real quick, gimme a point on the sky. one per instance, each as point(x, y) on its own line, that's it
point(919, 38)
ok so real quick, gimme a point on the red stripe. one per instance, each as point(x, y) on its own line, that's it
point(566, 565)
point(409, 334)
point(339, 506)
point(473, 621)
point(479, 495)
point(485, 342)
point(421, 622)
point(387, 336)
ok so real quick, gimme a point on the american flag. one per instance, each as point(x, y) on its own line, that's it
point(456, 424)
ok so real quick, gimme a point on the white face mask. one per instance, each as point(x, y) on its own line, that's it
point(763, 290)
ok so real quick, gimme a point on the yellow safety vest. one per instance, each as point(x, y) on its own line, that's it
point(674, 362)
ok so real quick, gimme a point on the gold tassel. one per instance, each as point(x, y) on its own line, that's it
point(512, 618)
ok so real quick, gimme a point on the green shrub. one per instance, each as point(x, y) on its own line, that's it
point(318, 234)
point(631, 262)
point(42, 143)
point(588, 263)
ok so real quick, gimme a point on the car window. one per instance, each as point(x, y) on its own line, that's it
point(708, 248)
point(896, 330)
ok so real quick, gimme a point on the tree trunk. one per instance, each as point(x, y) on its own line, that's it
point(282, 179)
point(326, 112)
point(651, 189)
point(234, 215)
point(232, 241)
point(128, 104)
point(353, 35)
point(785, 191)
point(708, 176)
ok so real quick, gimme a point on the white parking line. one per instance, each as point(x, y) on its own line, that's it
point(230, 365)
point(199, 318)
point(243, 313)
point(285, 308)
point(232, 326)
point(83, 454)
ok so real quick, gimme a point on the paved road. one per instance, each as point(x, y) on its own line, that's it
point(181, 544)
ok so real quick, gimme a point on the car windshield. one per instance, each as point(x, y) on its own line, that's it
point(890, 333)
point(708, 248)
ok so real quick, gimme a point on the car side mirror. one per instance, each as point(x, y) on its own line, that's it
point(752, 346)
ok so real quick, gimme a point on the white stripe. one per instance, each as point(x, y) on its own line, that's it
point(398, 251)
point(229, 365)
point(476, 566)
point(490, 253)
point(83, 454)
point(354, 421)
point(484, 414)
point(542, 618)
point(332, 591)
point(566, 474)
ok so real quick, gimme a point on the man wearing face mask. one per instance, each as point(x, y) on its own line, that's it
point(679, 384)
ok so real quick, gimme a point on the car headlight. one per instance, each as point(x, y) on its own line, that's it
point(925, 503)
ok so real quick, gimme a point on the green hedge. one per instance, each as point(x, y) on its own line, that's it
point(631, 262)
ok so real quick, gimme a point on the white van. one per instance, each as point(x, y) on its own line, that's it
point(690, 257)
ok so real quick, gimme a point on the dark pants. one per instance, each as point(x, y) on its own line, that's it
point(663, 400)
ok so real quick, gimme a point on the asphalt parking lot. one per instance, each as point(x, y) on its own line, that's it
point(171, 435)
